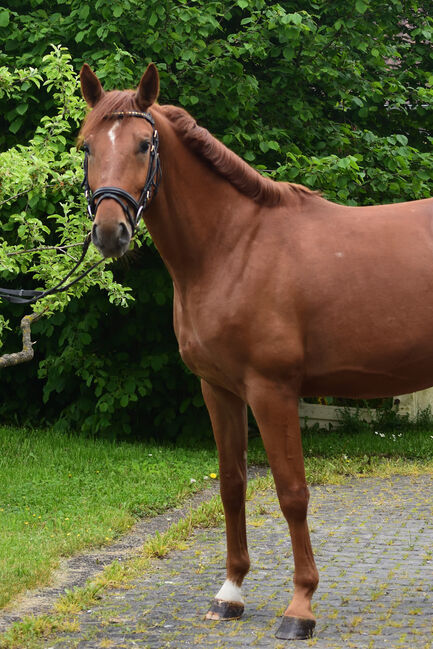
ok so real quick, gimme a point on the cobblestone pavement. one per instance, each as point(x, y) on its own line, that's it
point(373, 542)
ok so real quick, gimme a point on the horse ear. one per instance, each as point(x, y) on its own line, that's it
point(91, 87)
point(148, 88)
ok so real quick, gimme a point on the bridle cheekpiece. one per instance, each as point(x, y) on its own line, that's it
point(121, 196)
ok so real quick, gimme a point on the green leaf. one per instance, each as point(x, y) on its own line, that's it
point(243, 4)
point(296, 18)
point(289, 52)
point(16, 125)
point(4, 17)
point(84, 12)
point(153, 19)
point(361, 6)
point(273, 145)
point(402, 139)
point(117, 11)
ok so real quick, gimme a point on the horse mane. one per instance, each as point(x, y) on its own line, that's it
point(225, 162)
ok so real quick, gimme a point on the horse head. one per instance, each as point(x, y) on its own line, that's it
point(121, 158)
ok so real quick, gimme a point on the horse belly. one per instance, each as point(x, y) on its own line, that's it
point(380, 346)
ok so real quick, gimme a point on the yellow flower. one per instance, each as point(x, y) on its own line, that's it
point(212, 475)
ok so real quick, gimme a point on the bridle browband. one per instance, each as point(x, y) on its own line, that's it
point(121, 196)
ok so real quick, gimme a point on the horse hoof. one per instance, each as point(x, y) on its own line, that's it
point(222, 610)
point(295, 628)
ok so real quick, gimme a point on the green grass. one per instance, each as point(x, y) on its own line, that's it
point(330, 457)
point(59, 494)
point(412, 445)
point(409, 444)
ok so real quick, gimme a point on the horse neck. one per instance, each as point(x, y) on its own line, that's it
point(198, 216)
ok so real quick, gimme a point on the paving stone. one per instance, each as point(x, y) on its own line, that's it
point(372, 538)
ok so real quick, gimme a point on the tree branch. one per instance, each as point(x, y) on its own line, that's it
point(27, 353)
point(60, 247)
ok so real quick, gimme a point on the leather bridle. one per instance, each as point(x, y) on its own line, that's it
point(121, 196)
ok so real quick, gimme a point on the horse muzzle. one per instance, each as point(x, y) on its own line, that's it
point(111, 237)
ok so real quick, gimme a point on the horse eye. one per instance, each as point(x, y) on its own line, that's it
point(144, 146)
point(85, 148)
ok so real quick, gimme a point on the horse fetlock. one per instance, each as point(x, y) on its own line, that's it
point(306, 582)
point(230, 592)
point(237, 568)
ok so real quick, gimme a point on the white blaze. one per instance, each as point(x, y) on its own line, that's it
point(229, 592)
point(112, 132)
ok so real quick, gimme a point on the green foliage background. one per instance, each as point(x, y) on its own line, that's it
point(334, 95)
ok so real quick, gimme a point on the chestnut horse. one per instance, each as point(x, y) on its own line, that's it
point(278, 293)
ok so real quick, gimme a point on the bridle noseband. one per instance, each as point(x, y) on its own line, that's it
point(121, 196)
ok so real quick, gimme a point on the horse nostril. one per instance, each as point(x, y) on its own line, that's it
point(124, 236)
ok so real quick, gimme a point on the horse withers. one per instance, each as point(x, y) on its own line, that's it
point(278, 293)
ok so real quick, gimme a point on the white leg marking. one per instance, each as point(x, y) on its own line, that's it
point(229, 592)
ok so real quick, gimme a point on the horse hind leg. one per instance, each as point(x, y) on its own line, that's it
point(229, 423)
point(276, 413)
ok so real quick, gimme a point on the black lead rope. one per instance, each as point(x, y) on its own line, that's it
point(23, 296)
point(121, 196)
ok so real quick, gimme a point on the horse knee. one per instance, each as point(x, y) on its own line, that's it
point(294, 503)
point(232, 492)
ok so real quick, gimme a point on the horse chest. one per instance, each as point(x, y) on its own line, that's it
point(195, 346)
point(203, 343)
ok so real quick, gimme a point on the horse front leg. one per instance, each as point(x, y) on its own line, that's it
point(228, 416)
point(276, 413)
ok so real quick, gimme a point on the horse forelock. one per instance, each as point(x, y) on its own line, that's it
point(111, 102)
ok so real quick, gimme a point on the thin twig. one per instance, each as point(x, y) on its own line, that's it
point(11, 198)
point(42, 248)
point(27, 352)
